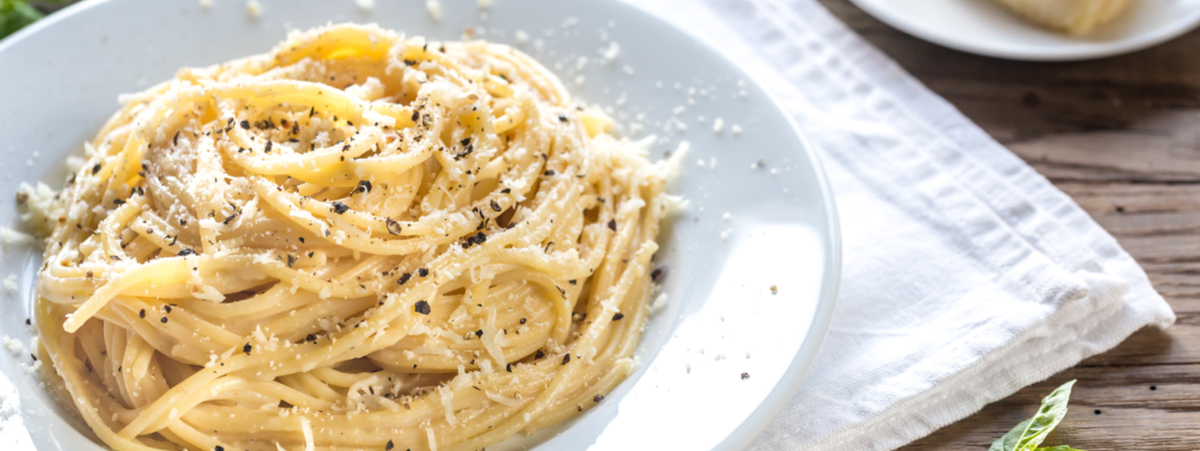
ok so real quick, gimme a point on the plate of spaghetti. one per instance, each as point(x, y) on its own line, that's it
point(415, 226)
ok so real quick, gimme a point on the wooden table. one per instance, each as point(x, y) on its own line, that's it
point(1122, 137)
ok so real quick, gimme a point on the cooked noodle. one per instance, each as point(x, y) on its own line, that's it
point(360, 241)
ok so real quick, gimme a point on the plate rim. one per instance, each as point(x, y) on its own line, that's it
point(1085, 51)
point(795, 373)
point(779, 396)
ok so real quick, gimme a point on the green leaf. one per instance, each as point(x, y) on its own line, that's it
point(1030, 433)
point(1009, 441)
point(15, 15)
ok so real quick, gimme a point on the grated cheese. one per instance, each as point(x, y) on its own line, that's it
point(254, 9)
point(612, 51)
point(489, 338)
point(432, 439)
point(435, 10)
point(42, 210)
point(448, 403)
point(13, 346)
point(659, 303)
point(308, 434)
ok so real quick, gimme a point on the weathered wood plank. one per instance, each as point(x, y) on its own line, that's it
point(1140, 408)
point(1121, 136)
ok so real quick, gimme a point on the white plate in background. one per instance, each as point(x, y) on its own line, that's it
point(60, 79)
point(985, 28)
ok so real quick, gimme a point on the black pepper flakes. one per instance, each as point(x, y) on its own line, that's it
point(464, 153)
point(549, 173)
point(479, 333)
point(508, 367)
point(566, 358)
point(268, 149)
point(658, 273)
point(230, 218)
point(539, 355)
point(340, 208)
point(477, 238)
point(246, 349)
point(186, 252)
point(597, 398)
point(495, 206)
point(523, 320)
point(363, 186)
point(163, 320)
point(291, 260)
point(219, 448)
point(389, 446)
point(142, 314)
point(95, 168)
point(562, 118)
point(245, 125)
point(745, 376)
point(612, 224)
point(618, 316)
point(167, 308)
point(404, 278)
point(422, 307)
point(393, 227)
point(423, 272)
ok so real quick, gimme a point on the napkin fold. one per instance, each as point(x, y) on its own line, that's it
point(966, 274)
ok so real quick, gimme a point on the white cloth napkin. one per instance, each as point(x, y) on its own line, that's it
point(966, 274)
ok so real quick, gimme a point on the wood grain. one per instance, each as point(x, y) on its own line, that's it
point(1121, 136)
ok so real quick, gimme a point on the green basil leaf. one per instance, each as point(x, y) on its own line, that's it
point(15, 15)
point(1030, 433)
point(1009, 441)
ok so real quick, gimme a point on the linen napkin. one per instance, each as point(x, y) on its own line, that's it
point(966, 274)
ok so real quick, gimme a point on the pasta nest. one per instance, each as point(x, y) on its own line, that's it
point(358, 240)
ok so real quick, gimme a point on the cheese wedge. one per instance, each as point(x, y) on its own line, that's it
point(1077, 17)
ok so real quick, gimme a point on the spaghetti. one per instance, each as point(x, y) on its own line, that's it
point(357, 241)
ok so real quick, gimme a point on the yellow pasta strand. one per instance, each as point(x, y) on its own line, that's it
point(356, 240)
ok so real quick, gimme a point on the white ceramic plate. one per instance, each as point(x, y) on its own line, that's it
point(60, 81)
point(985, 28)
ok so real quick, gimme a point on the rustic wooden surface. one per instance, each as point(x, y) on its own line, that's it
point(1122, 137)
